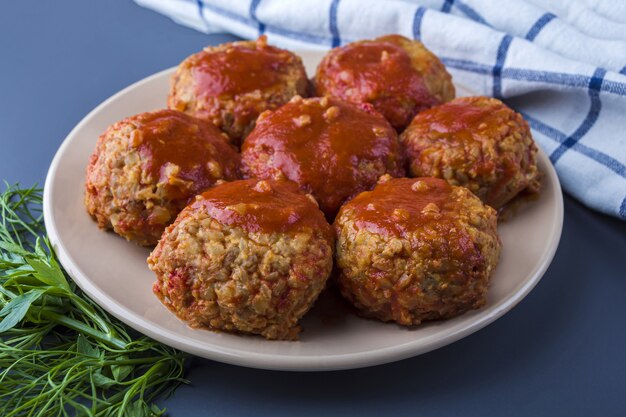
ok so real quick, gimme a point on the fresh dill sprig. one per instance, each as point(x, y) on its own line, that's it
point(60, 353)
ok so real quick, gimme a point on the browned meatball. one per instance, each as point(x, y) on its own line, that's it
point(332, 149)
point(145, 169)
point(475, 142)
point(248, 256)
point(416, 249)
point(231, 84)
point(399, 76)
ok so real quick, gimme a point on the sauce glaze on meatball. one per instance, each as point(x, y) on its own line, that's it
point(400, 77)
point(145, 169)
point(475, 142)
point(332, 149)
point(231, 84)
point(247, 256)
point(416, 249)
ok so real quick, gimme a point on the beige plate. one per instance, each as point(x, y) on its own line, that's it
point(114, 272)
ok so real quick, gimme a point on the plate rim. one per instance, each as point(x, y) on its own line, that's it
point(277, 361)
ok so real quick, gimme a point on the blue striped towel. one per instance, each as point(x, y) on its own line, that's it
point(561, 63)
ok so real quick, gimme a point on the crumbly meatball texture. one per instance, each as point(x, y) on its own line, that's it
point(249, 256)
point(399, 76)
point(332, 149)
point(475, 142)
point(231, 84)
point(418, 249)
point(145, 169)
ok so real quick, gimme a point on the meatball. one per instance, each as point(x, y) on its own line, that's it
point(248, 256)
point(332, 149)
point(416, 249)
point(146, 168)
point(475, 142)
point(399, 76)
point(231, 84)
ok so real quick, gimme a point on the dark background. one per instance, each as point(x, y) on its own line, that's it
point(561, 351)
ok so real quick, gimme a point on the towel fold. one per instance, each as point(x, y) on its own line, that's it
point(562, 64)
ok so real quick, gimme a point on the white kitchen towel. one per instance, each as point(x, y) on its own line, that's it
point(561, 63)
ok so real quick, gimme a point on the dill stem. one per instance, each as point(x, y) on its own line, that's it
point(106, 338)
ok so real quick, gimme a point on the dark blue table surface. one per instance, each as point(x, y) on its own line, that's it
point(561, 351)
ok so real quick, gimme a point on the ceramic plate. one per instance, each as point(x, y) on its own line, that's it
point(115, 274)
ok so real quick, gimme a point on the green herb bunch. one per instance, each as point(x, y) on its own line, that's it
point(60, 353)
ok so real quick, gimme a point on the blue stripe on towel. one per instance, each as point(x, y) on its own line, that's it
point(466, 65)
point(334, 29)
point(201, 12)
point(417, 23)
point(539, 24)
point(253, 6)
point(591, 118)
point(560, 137)
point(548, 77)
point(470, 12)
point(570, 80)
point(503, 49)
point(227, 13)
point(304, 37)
